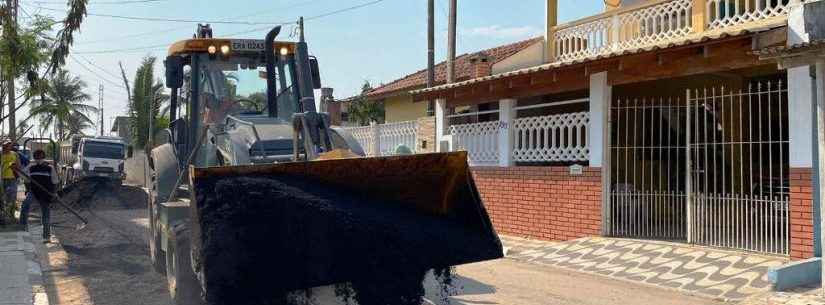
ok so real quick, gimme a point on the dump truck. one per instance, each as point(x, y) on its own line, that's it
point(86, 156)
point(256, 199)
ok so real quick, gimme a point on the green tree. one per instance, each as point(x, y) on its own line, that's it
point(63, 100)
point(364, 111)
point(24, 52)
point(76, 124)
point(148, 98)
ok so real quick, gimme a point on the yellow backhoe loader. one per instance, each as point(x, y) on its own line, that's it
point(256, 199)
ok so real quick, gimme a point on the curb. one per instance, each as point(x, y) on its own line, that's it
point(36, 278)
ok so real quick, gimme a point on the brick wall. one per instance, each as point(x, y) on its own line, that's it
point(542, 202)
point(801, 217)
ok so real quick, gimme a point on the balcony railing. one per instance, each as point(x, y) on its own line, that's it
point(655, 22)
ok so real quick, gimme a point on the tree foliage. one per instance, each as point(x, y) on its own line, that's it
point(148, 98)
point(65, 37)
point(62, 106)
point(363, 110)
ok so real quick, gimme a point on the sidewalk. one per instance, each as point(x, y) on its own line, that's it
point(797, 296)
point(714, 273)
point(21, 279)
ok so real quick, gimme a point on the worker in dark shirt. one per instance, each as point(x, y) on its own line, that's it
point(43, 174)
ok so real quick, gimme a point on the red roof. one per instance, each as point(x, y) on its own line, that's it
point(463, 69)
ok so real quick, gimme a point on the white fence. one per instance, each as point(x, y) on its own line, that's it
point(657, 22)
point(722, 13)
point(561, 137)
point(549, 138)
point(383, 139)
point(480, 140)
point(653, 23)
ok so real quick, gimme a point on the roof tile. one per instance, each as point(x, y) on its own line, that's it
point(463, 69)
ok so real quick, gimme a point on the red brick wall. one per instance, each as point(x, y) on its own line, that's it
point(801, 217)
point(542, 202)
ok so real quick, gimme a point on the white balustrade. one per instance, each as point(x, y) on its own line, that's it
point(480, 140)
point(553, 138)
point(383, 139)
point(583, 40)
point(392, 135)
point(655, 22)
point(723, 13)
point(366, 137)
point(638, 27)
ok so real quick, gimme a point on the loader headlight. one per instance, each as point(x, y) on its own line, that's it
point(284, 51)
point(212, 50)
point(225, 50)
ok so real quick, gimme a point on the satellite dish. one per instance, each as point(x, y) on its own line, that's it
point(613, 3)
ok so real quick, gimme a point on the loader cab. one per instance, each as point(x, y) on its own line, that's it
point(218, 81)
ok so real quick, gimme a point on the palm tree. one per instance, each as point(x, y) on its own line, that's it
point(75, 125)
point(62, 102)
point(147, 93)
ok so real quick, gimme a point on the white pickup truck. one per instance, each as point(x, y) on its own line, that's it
point(87, 157)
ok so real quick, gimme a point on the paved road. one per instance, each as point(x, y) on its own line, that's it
point(506, 281)
point(107, 262)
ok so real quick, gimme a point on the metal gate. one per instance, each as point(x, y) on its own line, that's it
point(710, 168)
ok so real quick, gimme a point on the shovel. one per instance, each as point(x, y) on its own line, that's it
point(57, 198)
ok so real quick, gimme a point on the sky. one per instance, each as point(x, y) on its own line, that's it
point(378, 43)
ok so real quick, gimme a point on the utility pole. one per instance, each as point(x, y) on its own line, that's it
point(451, 42)
point(12, 8)
point(100, 108)
point(430, 51)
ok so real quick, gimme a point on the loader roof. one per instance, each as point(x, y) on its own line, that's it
point(201, 45)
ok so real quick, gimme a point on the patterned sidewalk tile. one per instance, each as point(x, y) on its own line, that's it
point(704, 271)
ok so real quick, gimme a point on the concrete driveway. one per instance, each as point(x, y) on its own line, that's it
point(510, 282)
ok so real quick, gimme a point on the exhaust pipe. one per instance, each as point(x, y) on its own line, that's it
point(269, 50)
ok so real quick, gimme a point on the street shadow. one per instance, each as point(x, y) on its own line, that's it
point(107, 262)
point(439, 294)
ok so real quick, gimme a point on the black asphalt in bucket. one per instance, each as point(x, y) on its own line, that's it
point(261, 237)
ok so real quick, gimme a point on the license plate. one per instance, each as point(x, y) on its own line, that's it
point(248, 45)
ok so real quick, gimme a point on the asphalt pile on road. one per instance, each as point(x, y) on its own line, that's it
point(262, 238)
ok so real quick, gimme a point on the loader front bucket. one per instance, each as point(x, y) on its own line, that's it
point(263, 230)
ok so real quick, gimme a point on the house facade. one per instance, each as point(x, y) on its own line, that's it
point(653, 120)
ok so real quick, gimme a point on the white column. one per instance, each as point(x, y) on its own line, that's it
point(376, 139)
point(507, 115)
point(820, 187)
point(600, 95)
point(440, 123)
point(800, 110)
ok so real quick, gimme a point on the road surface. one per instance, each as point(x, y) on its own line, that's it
point(507, 282)
point(108, 263)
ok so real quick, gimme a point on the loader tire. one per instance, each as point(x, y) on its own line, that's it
point(155, 249)
point(184, 287)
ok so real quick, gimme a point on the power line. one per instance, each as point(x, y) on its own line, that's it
point(95, 73)
point(170, 19)
point(125, 50)
point(343, 10)
point(107, 40)
point(101, 2)
point(99, 68)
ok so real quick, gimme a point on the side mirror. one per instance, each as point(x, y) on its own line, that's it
point(316, 73)
point(130, 151)
point(174, 71)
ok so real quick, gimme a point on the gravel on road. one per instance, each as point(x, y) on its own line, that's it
point(106, 262)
